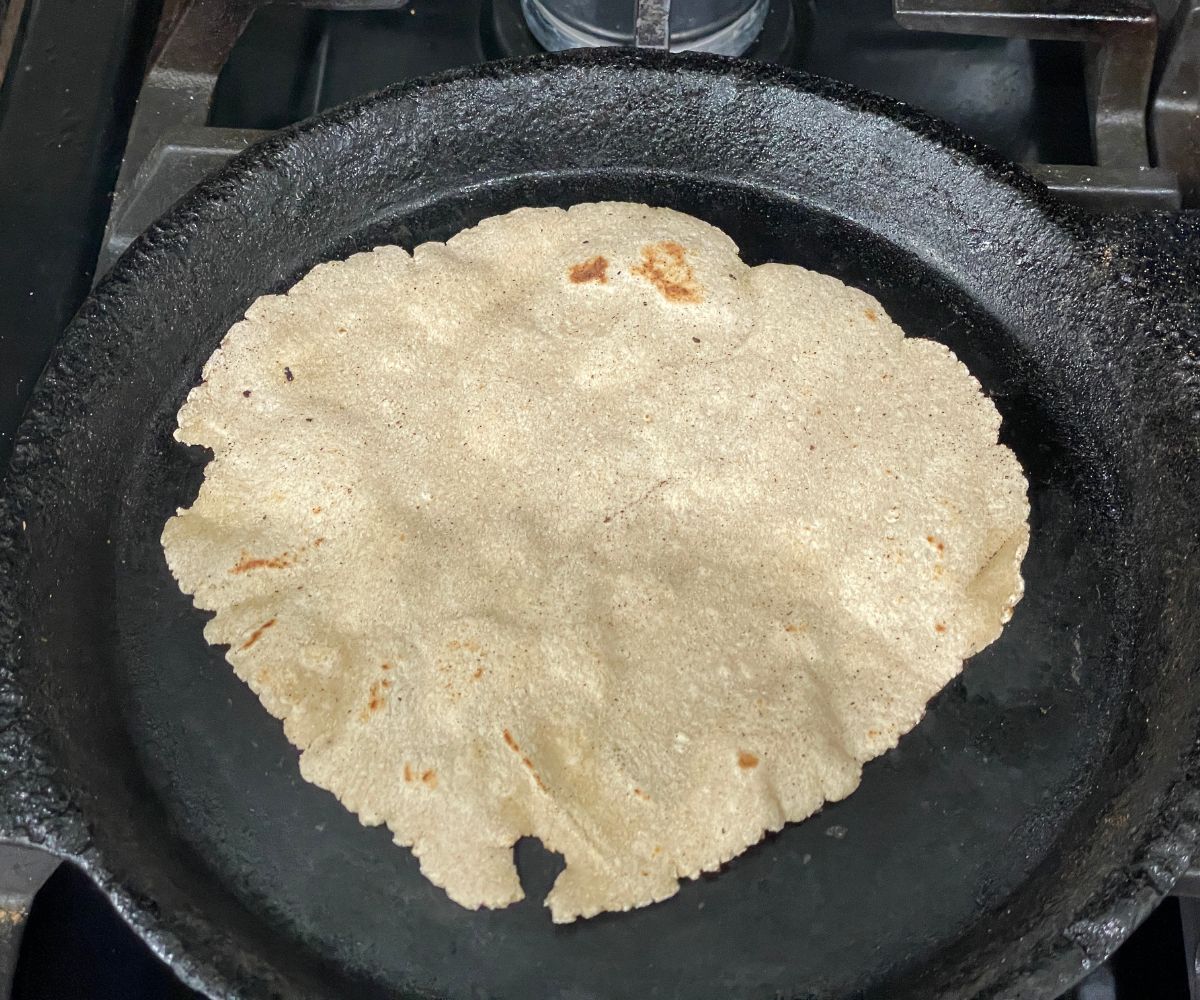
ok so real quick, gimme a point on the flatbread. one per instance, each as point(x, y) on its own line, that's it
point(577, 527)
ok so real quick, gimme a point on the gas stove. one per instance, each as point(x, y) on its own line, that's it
point(110, 111)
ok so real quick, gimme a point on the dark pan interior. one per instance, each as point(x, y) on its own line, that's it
point(965, 838)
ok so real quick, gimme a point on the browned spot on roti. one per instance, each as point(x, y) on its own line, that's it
point(871, 314)
point(375, 699)
point(525, 761)
point(795, 628)
point(747, 760)
point(592, 269)
point(408, 774)
point(316, 510)
point(478, 673)
point(247, 563)
point(940, 547)
point(257, 633)
point(537, 778)
point(665, 266)
point(640, 794)
point(940, 628)
point(429, 778)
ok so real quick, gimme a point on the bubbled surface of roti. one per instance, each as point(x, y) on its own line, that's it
point(578, 527)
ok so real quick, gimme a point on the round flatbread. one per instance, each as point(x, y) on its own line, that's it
point(578, 527)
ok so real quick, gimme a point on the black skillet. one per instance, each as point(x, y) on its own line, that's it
point(1033, 818)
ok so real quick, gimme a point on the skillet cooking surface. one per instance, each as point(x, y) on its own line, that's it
point(1001, 826)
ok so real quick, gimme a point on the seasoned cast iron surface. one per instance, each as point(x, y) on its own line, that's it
point(1009, 843)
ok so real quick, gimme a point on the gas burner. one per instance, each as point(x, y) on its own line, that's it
point(786, 31)
point(1007, 93)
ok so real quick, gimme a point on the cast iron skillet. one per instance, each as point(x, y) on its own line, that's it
point(1033, 818)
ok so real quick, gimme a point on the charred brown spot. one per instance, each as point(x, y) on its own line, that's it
point(408, 774)
point(247, 563)
point(640, 794)
point(429, 778)
point(537, 778)
point(525, 761)
point(287, 374)
point(318, 542)
point(747, 760)
point(316, 510)
point(246, 393)
point(257, 633)
point(789, 627)
point(871, 314)
point(375, 702)
point(385, 666)
point(592, 269)
point(872, 733)
point(940, 628)
point(665, 266)
point(478, 673)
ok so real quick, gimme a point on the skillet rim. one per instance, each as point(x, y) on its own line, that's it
point(36, 807)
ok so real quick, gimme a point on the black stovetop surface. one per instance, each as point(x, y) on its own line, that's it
point(65, 107)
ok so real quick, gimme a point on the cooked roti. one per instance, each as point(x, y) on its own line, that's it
point(577, 527)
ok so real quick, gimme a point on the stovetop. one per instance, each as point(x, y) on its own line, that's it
point(67, 118)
